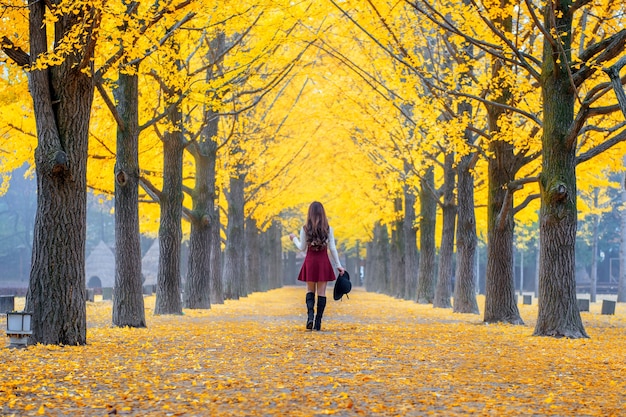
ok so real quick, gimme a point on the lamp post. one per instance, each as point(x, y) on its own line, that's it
point(18, 328)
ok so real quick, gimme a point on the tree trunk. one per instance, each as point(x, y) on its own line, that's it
point(443, 290)
point(377, 271)
point(168, 300)
point(558, 310)
point(128, 307)
point(215, 259)
point(197, 287)
point(594, 256)
point(253, 258)
point(370, 254)
point(428, 214)
point(500, 301)
point(275, 247)
point(233, 277)
point(411, 262)
point(264, 259)
point(291, 271)
point(383, 259)
point(621, 288)
point(62, 98)
point(397, 268)
point(465, 285)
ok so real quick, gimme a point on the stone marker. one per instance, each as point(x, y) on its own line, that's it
point(608, 307)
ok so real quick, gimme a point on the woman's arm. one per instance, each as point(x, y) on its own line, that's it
point(300, 243)
point(333, 250)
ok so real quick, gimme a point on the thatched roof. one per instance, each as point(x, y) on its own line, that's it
point(101, 263)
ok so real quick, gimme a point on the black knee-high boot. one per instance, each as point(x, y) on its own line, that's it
point(310, 304)
point(321, 304)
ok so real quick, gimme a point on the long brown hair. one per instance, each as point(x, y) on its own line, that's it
point(316, 227)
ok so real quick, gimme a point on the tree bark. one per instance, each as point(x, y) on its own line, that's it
point(595, 221)
point(397, 268)
point(62, 97)
point(465, 284)
point(500, 301)
point(558, 310)
point(198, 284)
point(443, 290)
point(411, 261)
point(128, 306)
point(377, 271)
point(276, 271)
point(253, 258)
point(428, 218)
point(215, 259)
point(233, 277)
point(621, 288)
point(168, 300)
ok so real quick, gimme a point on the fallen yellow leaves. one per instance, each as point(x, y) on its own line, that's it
point(375, 356)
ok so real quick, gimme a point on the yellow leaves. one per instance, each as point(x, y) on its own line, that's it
point(375, 355)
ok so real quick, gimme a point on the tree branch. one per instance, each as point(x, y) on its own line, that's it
point(110, 105)
point(616, 82)
point(608, 49)
point(155, 194)
point(18, 56)
point(526, 202)
point(595, 151)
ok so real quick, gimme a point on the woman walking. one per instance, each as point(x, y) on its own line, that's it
point(317, 237)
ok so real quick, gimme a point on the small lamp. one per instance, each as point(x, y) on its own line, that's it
point(18, 327)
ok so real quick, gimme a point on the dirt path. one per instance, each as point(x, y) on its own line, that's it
point(375, 356)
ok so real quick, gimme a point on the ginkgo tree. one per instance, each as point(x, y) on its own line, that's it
point(60, 69)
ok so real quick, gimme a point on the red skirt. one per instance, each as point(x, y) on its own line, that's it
point(316, 267)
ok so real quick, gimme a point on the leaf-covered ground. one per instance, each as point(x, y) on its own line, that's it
point(375, 356)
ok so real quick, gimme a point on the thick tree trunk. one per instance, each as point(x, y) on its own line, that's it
point(204, 272)
point(411, 262)
point(428, 217)
point(443, 290)
point(128, 307)
point(197, 287)
point(465, 285)
point(558, 310)
point(62, 98)
point(233, 277)
point(168, 300)
point(500, 300)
